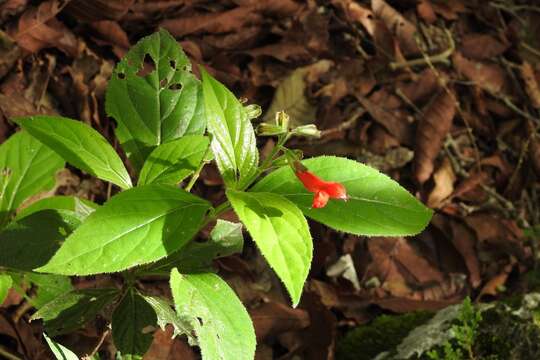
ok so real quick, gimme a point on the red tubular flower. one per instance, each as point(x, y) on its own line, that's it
point(323, 190)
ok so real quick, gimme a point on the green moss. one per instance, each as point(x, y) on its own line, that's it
point(384, 333)
point(502, 336)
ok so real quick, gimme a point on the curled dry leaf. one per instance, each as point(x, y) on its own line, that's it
point(38, 28)
point(444, 179)
point(430, 134)
point(531, 84)
point(496, 284)
point(482, 46)
point(402, 28)
point(426, 84)
point(487, 76)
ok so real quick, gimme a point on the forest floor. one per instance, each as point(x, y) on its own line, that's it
point(443, 96)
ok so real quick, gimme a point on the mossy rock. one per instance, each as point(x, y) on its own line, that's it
point(384, 333)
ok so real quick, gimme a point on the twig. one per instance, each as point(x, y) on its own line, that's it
point(349, 123)
point(426, 59)
point(98, 345)
point(6, 354)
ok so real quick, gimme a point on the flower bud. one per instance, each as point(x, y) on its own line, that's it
point(307, 131)
point(266, 129)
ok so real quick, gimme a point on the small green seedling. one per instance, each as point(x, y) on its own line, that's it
point(170, 124)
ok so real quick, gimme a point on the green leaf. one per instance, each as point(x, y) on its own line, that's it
point(80, 145)
point(233, 141)
point(31, 241)
point(81, 207)
point(49, 287)
point(26, 168)
point(377, 205)
point(158, 107)
point(5, 285)
point(72, 310)
point(281, 232)
point(132, 322)
point(134, 227)
point(60, 352)
point(222, 324)
point(172, 162)
point(166, 315)
point(225, 239)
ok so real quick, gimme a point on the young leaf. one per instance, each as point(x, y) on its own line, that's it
point(5, 285)
point(166, 315)
point(225, 239)
point(81, 207)
point(72, 310)
point(60, 352)
point(172, 162)
point(130, 322)
point(26, 167)
point(137, 226)
point(31, 241)
point(233, 141)
point(377, 205)
point(162, 105)
point(281, 232)
point(80, 145)
point(221, 323)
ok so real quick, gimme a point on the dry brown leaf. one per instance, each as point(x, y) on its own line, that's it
point(165, 347)
point(449, 10)
point(113, 34)
point(283, 51)
point(38, 28)
point(9, 53)
point(531, 84)
point(214, 23)
point(496, 284)
point(271, 319)
point(395, 121)
point(96, 10)
point(404, 305)
point(444, 179)
point(488, 76)
point(479, 46)
point(426, 84)
point(465, 242)
point(11, 7)
point(425, 10)
point(402, 28)
point(430, 134)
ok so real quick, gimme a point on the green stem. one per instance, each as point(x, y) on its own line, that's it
point(197, 172)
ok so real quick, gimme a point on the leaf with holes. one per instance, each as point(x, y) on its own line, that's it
point(26, 167)
point(233, 139)
point(377, 205)
point(172, 162)
point(134, 227)
point(154, 97)
point(166, 315)
point(80, 145)
point(281, 232)
point(131, 321)
point(222, 324)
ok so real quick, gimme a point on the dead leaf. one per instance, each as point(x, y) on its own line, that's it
point(214, 23)
point(10, 8)
point(165, 347)
point(449, 10)
point(487, 76)
point(425, 85)
point(496, 284)
point(426, 12)
point(9, 53)
point(272, 318)
point(344, 267)
point(444, 179)
point(531, 84)
point(465, 242)
point(96, 10)
point(430, 134)
point(38, 28)
point(402, 28)
point(290, 94)
point(403, 305)
point(113, 34)
point(478, 46)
